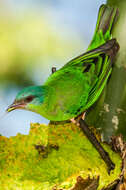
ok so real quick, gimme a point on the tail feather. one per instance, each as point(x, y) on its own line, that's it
point(107, 17)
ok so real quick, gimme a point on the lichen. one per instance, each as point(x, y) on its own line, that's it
point(23, 167)
point(115, 121)
point(106, 107)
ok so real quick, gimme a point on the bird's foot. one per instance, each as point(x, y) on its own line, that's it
point(83, 116)
point(73, 120)
point(76, 120)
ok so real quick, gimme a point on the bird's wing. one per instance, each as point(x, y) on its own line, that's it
point(99, 83)
point(109, 50)
point(92, 55)
point(100, 59)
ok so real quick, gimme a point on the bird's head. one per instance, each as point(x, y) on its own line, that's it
point(28, 98)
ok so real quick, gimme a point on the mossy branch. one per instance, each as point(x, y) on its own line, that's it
point(54, 157)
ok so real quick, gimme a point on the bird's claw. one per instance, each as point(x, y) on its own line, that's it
point(76, 120)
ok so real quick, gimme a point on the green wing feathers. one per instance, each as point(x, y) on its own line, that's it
point(97, 64)
point(102, 58)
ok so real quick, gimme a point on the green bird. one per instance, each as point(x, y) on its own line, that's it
point(71, 90)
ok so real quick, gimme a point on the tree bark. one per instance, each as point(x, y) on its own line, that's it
point(109, 112)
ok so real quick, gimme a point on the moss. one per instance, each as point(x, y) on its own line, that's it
point(22, 166)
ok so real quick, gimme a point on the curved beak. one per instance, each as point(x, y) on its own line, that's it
point(15, 106)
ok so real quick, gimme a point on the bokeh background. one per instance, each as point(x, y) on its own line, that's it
point(34, 37)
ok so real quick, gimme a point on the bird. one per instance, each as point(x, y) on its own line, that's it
point(73, 89)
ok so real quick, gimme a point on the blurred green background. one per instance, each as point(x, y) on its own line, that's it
point(34, 37)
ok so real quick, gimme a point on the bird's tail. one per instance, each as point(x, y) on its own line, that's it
point(107, 17)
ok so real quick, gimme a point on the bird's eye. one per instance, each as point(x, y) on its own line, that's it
point(29, 98)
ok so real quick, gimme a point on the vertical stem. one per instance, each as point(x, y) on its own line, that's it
point(109, 112)
point(90, 135)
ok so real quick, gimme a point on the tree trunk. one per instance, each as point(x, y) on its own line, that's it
point(109, 112)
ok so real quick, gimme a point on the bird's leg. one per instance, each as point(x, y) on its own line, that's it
point(82, 116)
point(90, 135)
point(76, 120)
point(73, 121)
